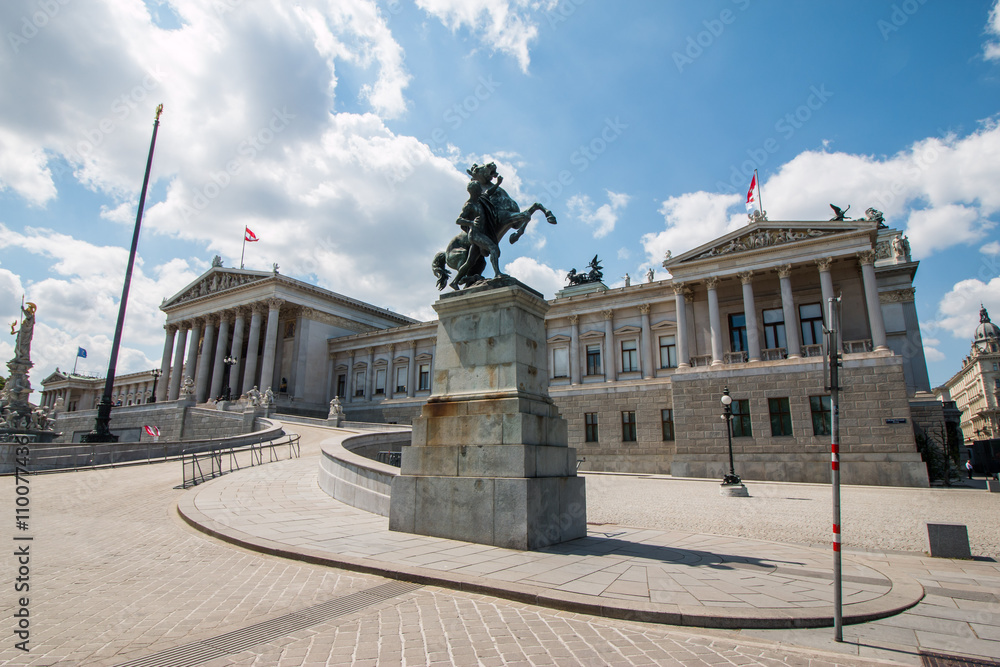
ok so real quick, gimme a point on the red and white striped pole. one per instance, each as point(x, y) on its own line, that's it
point(833, 346)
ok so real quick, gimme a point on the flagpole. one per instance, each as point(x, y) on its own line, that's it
point(75, 361)
point(760, 201)
point(244, 251)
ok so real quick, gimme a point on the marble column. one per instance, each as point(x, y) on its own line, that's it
point(350, 378)
point(370, 374)
point(683, 358)
point(411, 370)
point(163, 385)
point(204, 362)
point(390, 378)
point(647, 342)
point(253, 343)
point(236, 351)
point(610, 366)
point(191, 367)
point(867, 261)
point(270, 344)
point(825, 283)
point(750, 313)
point(792, 339)
point(178, 370)
point(574, 349)
point(714, 325)
point(219, 367)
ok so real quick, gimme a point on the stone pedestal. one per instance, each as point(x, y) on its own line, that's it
point(489, 461)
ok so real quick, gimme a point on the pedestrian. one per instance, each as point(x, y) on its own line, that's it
point(968, 467)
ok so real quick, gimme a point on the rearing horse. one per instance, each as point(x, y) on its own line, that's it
point(481, 235)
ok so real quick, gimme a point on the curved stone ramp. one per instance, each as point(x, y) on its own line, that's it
point(617, 572)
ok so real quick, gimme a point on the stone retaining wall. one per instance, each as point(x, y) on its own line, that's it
point(177, 420)
point(352, 478)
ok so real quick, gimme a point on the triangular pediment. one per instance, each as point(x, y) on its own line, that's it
point(762, 236)
point(215, 281)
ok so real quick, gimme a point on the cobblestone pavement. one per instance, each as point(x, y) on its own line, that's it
point(116, 576)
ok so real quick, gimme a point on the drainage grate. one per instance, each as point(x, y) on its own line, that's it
point(260, 633)
point(940, 660)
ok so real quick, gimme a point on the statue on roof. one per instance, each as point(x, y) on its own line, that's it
point(838, 213)
point(217, 261)
point(984, 317)
point(485, 219)
point(875, 215)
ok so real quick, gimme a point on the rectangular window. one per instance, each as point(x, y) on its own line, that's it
point(359, 383)
point(738, 332)
point(593, 360)
point(341, 385)
point(380, 381)
point(811, 317)
point(628, 426)
point(774, 328)
point(781, 416)
point(820, 406)
point(401, 379)
point(667, 419)
point(630, 356)
point(741, 418)
point(668, 352)
point(560, 362)
point(424, 383)
point(590, 426)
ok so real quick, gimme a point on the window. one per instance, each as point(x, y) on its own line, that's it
point(820, 406)
point(401, 379)
point(590, 426)
point(781, 416)
point(341, 385)
point(996, 366)
point(667, 419)
point(380, 381)
point(560, 362)
point(424, 383)
point(359, 383)
point(996, 383)
point(811, 317)
point(593, 360)
point(628, 426)
point(630, 356)
point(738, 332)
point(668, 352)
point(774, 328)
point(741, 418)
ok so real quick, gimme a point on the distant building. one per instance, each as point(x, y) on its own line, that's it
point(975, 389)
point(83, 392)
point(637, 371)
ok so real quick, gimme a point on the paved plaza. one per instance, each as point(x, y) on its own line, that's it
point(119, 577)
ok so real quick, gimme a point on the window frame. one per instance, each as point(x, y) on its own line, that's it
point(424, 377)
point(780, 417)
point(594, 365)
point(742, 426)
point(560, 351)
point(633, 355)
point(774, 332)
point(738, 333)
point(815, 335)
point(670, 349)
point(667, 424)
point(360, 378)
point(401, 388)
point(591, 431)
point(629, 431)
point(824, 411)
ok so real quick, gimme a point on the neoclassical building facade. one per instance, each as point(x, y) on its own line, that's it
point(975, 388)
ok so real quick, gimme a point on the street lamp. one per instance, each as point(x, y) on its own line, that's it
point(156, 372)
point(229, 361)
point(732, 479)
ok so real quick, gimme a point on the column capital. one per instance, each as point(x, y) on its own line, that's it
point(239, 311)
point(574, 318)
point(609, 314)
point(823, 263)
point(644, 308)
point(784, 270)
point(275, 303)
point(413, 344)
point(171, 328)
point(746, 277)
point(712, 282)
point(257, 308)
point(370, 350)
point(210, 320)
point(866, 257)
point(678, 288)
point(185, 325)
point(390, 348)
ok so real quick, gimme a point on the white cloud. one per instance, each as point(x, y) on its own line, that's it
point(991, 50)
point(991, 248)
point(603, 220)
point(503, 25)
point(536, 275)
point(691, 219)
point(958, 310)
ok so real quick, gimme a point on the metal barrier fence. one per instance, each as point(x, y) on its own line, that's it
point(390, 458)
point(203, 466)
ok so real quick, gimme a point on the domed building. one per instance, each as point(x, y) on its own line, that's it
point(976, 388)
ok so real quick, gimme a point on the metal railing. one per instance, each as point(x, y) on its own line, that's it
point(390, 458)
point(773, 354)
point(203, 466)
point(738, 357)
point(856, 346)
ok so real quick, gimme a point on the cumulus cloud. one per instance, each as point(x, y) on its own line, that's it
point(604, 218)
point(958, 310)
point(692, 219)
point(991, 248)
point(543, 278)
point(506, 26)
point(991, 50)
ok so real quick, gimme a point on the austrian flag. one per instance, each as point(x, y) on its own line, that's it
point(751, 196)
point(250, 236)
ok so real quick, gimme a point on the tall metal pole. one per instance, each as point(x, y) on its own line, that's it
point(834, 351)
point(102, 432)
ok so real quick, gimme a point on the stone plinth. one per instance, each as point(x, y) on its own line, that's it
point(489, 461)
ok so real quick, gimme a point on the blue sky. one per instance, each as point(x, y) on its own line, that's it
point(340, 131)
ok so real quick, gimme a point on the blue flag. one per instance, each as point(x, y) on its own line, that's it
point(80, 352)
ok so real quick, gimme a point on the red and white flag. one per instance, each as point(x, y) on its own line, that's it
point(152, 431)
point(751, 195)
point(250, 236)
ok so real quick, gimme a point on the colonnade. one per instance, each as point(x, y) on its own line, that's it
point(365, 358)
point(208, 370)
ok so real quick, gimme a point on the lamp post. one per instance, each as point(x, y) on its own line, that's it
point(732, 479)
point(229, 361)
point(156, 373)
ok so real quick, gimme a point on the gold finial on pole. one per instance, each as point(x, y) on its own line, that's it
point(159, 110)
